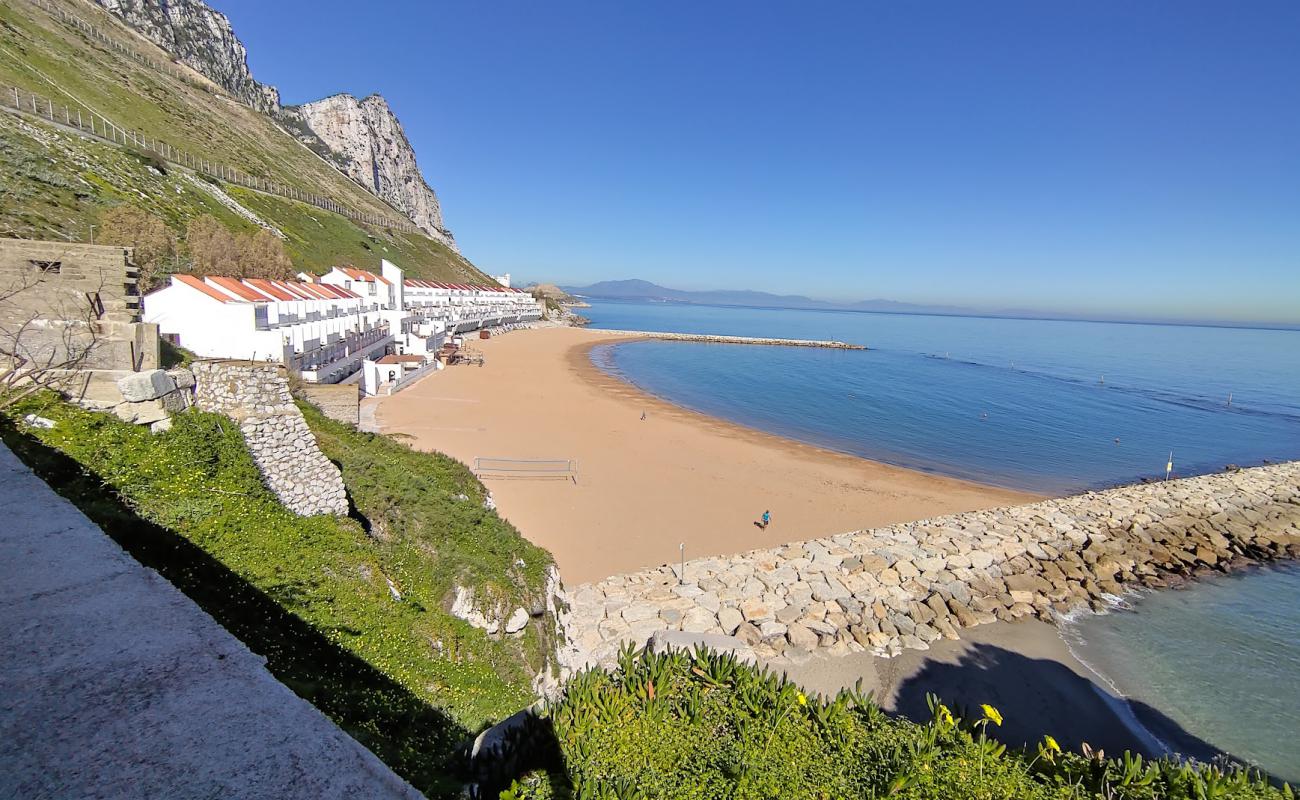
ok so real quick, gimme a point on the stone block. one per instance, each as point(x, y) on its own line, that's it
point(729, 619)
point(142, 413)
point(183, 378)
point(140, 386)
point(801, 636)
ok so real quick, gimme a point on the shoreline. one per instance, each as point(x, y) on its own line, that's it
point(581, 363)
point(1027, 670)
point(647, 485)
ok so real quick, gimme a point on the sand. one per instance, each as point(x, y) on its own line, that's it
point(644, 486)
point(1026, 671)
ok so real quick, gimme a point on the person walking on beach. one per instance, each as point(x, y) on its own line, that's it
point(767, 520)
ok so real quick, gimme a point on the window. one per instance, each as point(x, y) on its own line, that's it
point(47, 267)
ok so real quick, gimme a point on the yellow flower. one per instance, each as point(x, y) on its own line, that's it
point(1051, 744)
point(802, 700)
point(991, 714)
point(944, 715)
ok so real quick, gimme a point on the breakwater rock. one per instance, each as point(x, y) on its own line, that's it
point(907, 585)
point(710, 338)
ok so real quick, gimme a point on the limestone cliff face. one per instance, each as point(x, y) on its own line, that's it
point(366, 141)
point(362, 138)
point(201, 38)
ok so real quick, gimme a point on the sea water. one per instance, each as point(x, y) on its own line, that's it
point(1047, 406)
point(1219, 660)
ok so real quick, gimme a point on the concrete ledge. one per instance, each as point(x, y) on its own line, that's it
point(113, 684)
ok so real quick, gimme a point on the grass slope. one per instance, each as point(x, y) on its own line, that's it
point(312, 595)
point(45, 196)
point(54, 184)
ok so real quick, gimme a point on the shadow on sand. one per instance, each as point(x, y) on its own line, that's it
point(1040, 697)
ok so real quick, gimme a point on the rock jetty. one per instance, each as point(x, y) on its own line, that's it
point(906, 585)
point(718, 339)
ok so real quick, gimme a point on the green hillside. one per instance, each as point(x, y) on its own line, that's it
point(56, 183)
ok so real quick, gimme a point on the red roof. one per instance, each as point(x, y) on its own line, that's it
point(267, 287)
point(291, 288)
point(197, 283)
point(237, 288)
point(317, 291)
point(331, 291)
point(362, 275)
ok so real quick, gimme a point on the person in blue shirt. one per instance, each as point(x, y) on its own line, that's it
point(767, 519)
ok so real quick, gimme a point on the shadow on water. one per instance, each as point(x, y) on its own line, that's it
point(1039, 697)
point(418, 741)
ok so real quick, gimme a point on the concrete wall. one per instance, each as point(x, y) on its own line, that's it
point(69, 271)
point(906, 585)
point(86, 302)
point(341, 402)
point(257, 397)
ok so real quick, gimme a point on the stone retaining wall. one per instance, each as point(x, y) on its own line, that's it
point(906, 585)
point(256, 396)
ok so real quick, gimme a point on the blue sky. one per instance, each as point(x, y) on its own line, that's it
point(1100, 157)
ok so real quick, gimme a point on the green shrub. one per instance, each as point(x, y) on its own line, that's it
point(703, 725)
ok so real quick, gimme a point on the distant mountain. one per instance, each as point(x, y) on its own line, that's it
point(650, 292)
point(635, 289)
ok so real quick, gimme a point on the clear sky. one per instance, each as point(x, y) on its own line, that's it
point(1097, 157)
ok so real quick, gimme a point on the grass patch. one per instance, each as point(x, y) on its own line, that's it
point(703, 726)
point(312, 595)
point(319, 240)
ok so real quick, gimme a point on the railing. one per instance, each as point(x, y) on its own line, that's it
point(82, 118)
point(526, 468)
point(324, 355)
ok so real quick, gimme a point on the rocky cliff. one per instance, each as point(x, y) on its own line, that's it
point(366, 140)
point(362, 138)
point(201, 38)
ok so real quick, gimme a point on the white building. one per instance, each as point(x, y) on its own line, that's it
point(326, 329)
point(322, 332)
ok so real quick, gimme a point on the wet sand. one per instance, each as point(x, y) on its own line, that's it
point(646, 485)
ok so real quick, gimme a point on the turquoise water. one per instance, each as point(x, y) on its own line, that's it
point(1040, 405)
point(1220, 659)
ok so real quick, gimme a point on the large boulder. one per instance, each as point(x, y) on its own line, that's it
point(138, 387)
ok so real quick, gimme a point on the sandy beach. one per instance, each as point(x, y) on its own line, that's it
point(646, 485)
